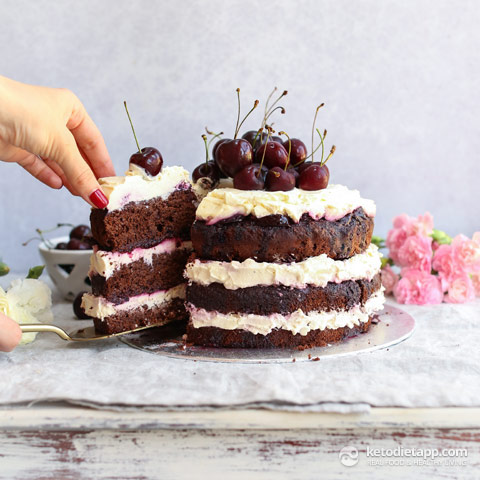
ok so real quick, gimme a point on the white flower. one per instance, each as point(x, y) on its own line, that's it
point(27, 301)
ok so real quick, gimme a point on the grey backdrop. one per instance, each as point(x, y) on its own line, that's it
point(400, 81)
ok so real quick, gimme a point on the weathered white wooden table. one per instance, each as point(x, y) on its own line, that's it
point(108, 411)
point(61, 442)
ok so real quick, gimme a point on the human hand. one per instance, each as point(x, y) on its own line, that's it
point(49, 133)
point(10, 333)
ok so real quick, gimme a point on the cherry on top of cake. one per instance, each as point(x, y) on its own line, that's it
point(145, 179)
point(261, 160)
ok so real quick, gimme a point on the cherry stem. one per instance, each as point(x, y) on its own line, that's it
point(259, 132)
point(289, 148)
point(332, 151)
point(313, 126)
point(238, 114)
point(270, 130)
point(316, 148)
point(204, 138)
point(214, 136)
point(255, 105)
point(269, 108)
point(133, 130)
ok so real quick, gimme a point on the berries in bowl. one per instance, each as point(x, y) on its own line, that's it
point(67, 260)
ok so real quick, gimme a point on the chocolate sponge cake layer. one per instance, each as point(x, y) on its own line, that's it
point(217, 337)
point(276, 238)
point(144, 224)
point(172, 311)
point(165, 271)
point(265, 300)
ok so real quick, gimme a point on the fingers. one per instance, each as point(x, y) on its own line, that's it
point(10, 333)
point(65, 153)
point(90, 141)
point(32, 164)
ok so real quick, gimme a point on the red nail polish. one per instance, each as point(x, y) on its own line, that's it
point(99, 199)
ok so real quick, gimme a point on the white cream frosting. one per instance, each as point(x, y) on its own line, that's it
point(317, 271)
point(296, 322)
point(331, 203)
point(101, 308)
point(136, 186)
point(106, 263)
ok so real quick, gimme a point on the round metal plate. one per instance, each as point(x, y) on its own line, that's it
point(392, 327)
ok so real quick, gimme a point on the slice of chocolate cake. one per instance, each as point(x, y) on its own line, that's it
point(282, 269)
point(143, 243)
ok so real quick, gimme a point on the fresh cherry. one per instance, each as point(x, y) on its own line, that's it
point(279, 179)
point(249, 178)
point(275, 155)
point(150, 159)
point(61, 246)
point(278, 140)
point(294, 172)
point(314, 177)
point(298, 152)
point(217, 144)
point(80, 231)
point(76, 244)
point(77, 307)
point(233, 155)
point(209, 170)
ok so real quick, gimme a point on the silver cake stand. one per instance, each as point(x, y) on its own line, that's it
point(391, 327)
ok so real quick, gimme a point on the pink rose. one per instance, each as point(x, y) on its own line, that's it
point(389, 279)
point(416, 252)
point(405, 226)
point(461, 290)
point(395, 239)
point(445, 264)
point(418, 287)
point(476, 283)
point(467, 252)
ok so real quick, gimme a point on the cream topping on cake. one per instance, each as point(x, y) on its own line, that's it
point(99, 307)
point(106, 263)
point(317, 271)
point(331, 203)
point(137, 186)
point(297, 322)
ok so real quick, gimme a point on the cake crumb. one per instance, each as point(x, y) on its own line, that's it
point(294, 360)
point(316, 359)
point(309, 356)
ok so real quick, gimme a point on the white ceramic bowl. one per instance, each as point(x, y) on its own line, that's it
point(68, 269)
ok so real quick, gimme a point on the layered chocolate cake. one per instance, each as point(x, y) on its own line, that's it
point(282, 268)
point(143, 242)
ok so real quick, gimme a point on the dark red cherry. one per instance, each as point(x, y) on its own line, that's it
point(275, 155)
point(279, 180)
point(209, 170)
point(248, 178)
point(250, 136)
point(314, 177)
point(150, 159)
point(277, 139)
point(80, 231)
point(233, 155)
point(294, 172)
point(298, 152)
point(61, 246)
point(77, 307)
point(303, 166)
point(217, 144)
point(76, 244)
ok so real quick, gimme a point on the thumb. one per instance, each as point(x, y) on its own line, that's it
point(65, 153)
point(10, 333)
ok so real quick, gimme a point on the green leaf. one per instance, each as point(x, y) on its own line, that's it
point(441, 237)
point(36, 272)
point(378, 241)
point(386, 261)
point(4, 269)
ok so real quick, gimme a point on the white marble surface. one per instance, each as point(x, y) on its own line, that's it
point(400, 80)
point(438, 366)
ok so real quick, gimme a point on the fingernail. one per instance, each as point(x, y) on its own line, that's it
point(99, 199)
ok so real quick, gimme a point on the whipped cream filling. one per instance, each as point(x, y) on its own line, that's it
point(137, 186)
point(101, 308)
point(316, 271)
point(296, 322)
point(106, 263)
point(331, 203)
